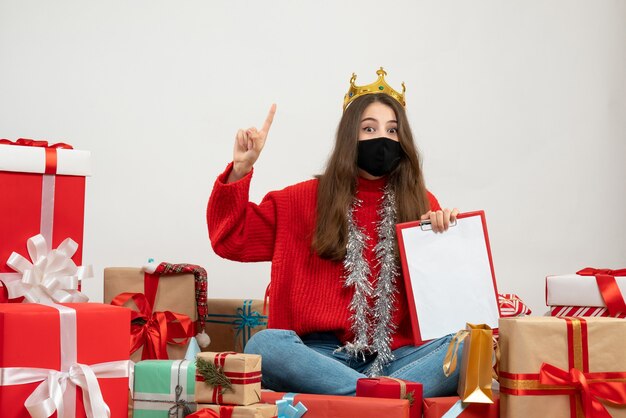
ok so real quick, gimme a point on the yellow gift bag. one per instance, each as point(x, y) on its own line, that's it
point(475, 374)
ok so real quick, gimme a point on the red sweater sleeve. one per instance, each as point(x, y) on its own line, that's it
point(240, 230)
point(432, 200)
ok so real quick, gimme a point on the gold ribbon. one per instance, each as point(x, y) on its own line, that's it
point(402, 386)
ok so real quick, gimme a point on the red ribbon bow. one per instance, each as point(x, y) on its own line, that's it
point(158, 330)
point(591, 390)
point(605, 278)
point(25, 142)
point(204, 413)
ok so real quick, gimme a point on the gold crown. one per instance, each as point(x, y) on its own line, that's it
point(377, 87)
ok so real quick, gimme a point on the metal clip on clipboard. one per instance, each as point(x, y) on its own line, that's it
point(427, 226)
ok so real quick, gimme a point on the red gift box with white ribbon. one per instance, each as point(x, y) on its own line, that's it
point(61, 360)
point(43, 192)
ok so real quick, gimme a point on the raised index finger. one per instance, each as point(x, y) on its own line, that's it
point(269, 119)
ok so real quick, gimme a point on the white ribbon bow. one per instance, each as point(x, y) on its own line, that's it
point(51, 277)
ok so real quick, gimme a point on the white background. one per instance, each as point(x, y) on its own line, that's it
point(519, 108)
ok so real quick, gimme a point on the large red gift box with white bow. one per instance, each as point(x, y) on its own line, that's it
point(43, 192)
point(58, 360)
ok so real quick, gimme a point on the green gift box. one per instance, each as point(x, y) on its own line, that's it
point(164, 388)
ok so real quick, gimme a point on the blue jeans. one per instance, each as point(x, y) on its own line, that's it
point(311, 365)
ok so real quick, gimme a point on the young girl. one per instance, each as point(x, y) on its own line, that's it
point(338, 310)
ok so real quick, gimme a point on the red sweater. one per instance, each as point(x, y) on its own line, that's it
point(307, 293)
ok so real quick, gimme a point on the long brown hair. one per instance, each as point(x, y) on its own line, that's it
point(337, 184)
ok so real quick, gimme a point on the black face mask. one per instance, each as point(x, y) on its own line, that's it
point(379, 156)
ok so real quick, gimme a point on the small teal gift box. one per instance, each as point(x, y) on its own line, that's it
point(164, 388)
point(231, 322)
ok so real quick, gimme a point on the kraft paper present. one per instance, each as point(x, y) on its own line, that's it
point(257, 410)
point(228, 378)
point(231, 322)
point(390, 387)
point(155, 388)
point(544, 359)
point(452, 405)
point(175, 293)
point(324, 406)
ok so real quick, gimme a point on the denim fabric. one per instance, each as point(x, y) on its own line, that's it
point(311, 365)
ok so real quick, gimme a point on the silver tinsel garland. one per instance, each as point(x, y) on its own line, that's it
point(386, 286)
point(372, 328)
point(357, 276)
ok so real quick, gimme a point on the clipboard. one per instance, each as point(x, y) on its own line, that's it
point(449, 277)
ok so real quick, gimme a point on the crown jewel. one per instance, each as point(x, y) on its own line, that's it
point(377, 87)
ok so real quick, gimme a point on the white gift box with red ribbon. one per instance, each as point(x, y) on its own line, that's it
point(589, 287)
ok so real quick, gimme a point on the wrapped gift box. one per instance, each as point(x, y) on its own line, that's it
point(544, 360)
point(599, 288)
point(387, 387)
point(438, 407)
point(231, 322)
point(258, 410)
point(583, 311)
point(172, 292)
point(43, 191)
point(155, 388)
point(323, 406)
point(72, 337)
point(240, 372)
point(512, 305)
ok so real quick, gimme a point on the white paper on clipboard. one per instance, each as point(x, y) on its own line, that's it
point(450, 276)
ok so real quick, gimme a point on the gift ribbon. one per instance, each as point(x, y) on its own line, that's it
point(57, 390)
point(611, 294)
point(226, 411)
point(154, 330)
point(455, 410)
point(25, 142)
point(244, 321)
point(402, 385)
point(51, 277)
point(584, 388)
point(286, 408)
point(181, 406)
